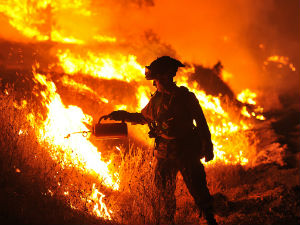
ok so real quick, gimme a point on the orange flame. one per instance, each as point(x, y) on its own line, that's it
point(229, 131)
point(77, 151)
point(102, 66)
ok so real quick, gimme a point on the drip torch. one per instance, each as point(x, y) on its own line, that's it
point(106, 130)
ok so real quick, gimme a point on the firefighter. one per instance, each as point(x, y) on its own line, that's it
point(179, 143)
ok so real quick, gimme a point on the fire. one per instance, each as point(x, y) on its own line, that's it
point(230, 131)
point(223, 129)
point(58, 37)
point(34, 18)
point(247, 96)
point(281, 60)
point(142, 96)
point(101, 38)
point(102, 65)
point(226, 76)
point(120, 107)
point(16, 11)
point(82, 88)
point(102, 211)
point(77, 151)
point(220, 121)
point(245, 112)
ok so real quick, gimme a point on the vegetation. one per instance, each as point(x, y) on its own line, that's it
point(34, 189)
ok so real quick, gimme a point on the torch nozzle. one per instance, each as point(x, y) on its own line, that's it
point(84, 133)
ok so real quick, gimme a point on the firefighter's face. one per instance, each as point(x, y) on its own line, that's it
point(156, 84)
point(161, 84)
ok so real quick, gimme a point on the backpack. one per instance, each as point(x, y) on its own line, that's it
point(199, 140)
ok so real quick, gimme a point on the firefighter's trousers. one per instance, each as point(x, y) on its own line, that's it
point(194, 176)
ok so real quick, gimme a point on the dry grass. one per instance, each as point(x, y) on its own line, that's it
point(36, 185)
point(136, 201)
point(27, 167)
point(33, 187)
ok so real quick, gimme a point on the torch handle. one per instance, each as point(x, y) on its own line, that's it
point(107, 117)
point(103, 117)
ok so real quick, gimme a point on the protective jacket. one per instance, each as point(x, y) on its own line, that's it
point(174, 115)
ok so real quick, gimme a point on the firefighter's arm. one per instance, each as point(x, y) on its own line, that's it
point(202, 128)
point(122, 115)
point(198, 115)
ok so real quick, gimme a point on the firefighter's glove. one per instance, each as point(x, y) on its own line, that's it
point(152, 134)
point(119, 115)
point(209, 151)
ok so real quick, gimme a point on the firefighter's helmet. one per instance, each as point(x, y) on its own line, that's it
point(161, 67)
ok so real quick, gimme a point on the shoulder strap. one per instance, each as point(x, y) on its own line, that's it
point(186, 95)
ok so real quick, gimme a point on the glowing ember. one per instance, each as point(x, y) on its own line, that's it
point(281, 60)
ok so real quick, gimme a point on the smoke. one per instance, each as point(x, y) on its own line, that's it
point(240, 34)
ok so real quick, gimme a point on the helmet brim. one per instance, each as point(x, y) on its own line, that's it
point(161, 67)
point(148, 74)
